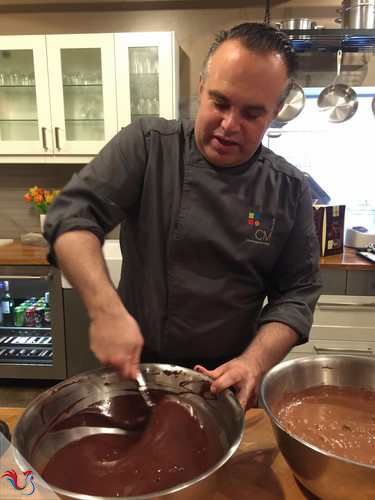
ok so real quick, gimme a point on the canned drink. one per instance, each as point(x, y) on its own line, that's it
point(39, 316)
point(18, 316)
point(30, 317)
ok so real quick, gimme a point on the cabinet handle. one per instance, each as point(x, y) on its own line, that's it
point(57, 138)
point(346, 304)
point(44, 138)
point(341, 350)
point(45, 277)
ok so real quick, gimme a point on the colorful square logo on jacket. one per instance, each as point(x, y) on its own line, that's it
point(260, 227)
point(254, 219)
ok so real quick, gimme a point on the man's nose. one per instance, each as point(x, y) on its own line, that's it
point(230, 122)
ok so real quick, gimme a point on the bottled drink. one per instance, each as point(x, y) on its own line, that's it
point(1, 305)
point(7, 306)
point(47, 312)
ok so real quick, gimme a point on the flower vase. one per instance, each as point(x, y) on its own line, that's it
point(42, 220)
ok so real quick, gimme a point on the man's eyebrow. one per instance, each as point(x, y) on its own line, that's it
point(217, 94)
point(223, 98)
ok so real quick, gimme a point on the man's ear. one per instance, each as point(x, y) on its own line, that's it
point(201, 84)
point(277, 110)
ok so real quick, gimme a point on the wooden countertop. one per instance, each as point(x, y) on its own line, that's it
point(18, 254)
point(348, 260)
point(257, 470)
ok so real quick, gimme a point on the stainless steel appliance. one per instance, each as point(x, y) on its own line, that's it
point(32, 337)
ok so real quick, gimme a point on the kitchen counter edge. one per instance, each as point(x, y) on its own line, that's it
point(17, 253)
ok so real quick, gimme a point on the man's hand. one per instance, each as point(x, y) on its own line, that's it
point(116, 339)
point(240, 373)
point(271, 344)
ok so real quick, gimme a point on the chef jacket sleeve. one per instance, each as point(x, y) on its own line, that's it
point(96, 198)
point(296, 281)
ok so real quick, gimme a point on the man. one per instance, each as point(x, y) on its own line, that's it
point(212, 224)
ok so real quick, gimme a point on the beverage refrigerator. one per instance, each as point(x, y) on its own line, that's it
point(32, 336)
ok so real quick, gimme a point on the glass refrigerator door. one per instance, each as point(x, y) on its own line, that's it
point(25, 125)
point(31, 326)
point(146, 76)
point(83, 91)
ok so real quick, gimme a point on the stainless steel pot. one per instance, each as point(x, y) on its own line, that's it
point(296, 23)
point(64, 399)
point(299, 23)
point(357, 14)
point(326, 475)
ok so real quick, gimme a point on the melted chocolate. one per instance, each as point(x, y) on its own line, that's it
point(339, 420)
point(177, 444)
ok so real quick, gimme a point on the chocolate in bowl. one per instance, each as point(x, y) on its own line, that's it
point(86, 396)
point(339, 420)
point(324, 473)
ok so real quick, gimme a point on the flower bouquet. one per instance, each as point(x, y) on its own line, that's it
point(40, 198)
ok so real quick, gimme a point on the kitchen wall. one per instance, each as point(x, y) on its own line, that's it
point(195, 22)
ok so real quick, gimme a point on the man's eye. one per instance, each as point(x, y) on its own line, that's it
point(220, 105)
point(250, 116)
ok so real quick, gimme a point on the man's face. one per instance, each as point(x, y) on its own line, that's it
point(238, 101)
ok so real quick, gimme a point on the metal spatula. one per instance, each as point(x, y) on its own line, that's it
point(143, 390)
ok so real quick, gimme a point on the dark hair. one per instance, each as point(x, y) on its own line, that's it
point(261, 38)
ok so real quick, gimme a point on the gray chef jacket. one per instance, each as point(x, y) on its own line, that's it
point(203, 246)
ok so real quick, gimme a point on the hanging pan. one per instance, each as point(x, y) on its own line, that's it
point(293, 105)
point(338, 101)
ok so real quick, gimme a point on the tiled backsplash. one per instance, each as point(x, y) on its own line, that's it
point(17, 217)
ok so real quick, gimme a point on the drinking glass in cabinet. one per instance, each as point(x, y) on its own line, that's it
point(83, 94)
point(15, 78)
point(18, 110)
point(4, 78)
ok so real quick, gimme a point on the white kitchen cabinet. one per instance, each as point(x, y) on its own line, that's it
point(25, 117)
point(63, 97)
point(57, 94)
point(343, 324)
point(146, 76)
point(81, 71)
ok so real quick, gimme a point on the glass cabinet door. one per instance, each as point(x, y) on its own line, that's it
point(32, 343)
point(147, 76)
point(82, 81)
point(25, 125)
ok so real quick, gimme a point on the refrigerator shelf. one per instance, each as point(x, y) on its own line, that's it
point(24, 328)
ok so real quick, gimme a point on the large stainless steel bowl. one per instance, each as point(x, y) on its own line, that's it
point(66, 398)
point(326, 475)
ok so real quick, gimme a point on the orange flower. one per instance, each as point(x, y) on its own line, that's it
point(48, 196)
point(40, 198)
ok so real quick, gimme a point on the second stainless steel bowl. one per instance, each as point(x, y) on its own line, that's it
point(326, 475)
